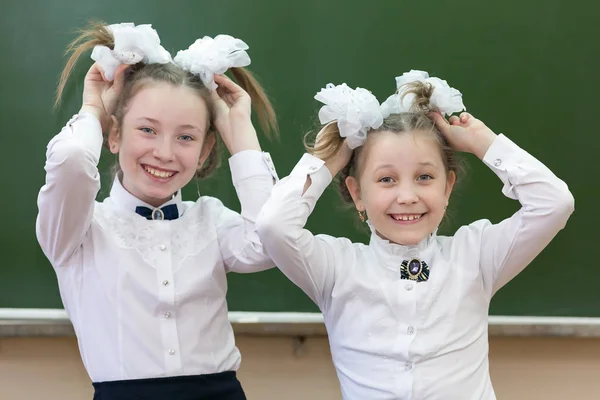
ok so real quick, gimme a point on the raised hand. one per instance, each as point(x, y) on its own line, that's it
point(100, 95)
point(340, 159)
point(465, 133)
point(232, 116)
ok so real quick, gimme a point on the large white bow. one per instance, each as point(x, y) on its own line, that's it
point(355, 110)
point(133, 44)
point(445, 98)
point(208, 56)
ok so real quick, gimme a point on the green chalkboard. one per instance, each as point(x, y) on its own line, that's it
point(527, 69)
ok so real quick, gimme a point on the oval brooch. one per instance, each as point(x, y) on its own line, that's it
point(414, 270)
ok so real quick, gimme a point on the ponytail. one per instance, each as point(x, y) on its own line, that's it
point(328, 144)
point(326, 147)
point(260, 101)
point(422, 92)
point(95, 34)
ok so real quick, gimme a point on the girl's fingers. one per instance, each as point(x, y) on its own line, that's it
point(440, 122)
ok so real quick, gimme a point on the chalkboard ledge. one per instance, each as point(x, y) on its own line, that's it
point(50, 322)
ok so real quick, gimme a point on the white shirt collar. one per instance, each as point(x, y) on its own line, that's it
point(125, 200)
point(393, 250)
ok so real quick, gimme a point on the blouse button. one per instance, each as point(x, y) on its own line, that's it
point(165, 282)
point(409, 286)
point(167, 314)
point(312, 168)
point(171, 351)
point(410, 330)
point(163, 247)
point(409, 365)
point(497, 162)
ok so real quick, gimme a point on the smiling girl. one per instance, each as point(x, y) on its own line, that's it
point(406, 315)
point(142, 274)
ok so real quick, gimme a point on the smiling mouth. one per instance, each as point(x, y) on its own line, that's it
point(158, 173)
point(407, 217)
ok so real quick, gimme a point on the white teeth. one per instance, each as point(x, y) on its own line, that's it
point(159, 174)
point(406, 217)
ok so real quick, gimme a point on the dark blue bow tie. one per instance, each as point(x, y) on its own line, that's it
point(167, 212)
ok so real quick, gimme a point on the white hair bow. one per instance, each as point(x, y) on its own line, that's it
point(355, 110)
point(445, 98)
point(133, 44)
point(208, 56)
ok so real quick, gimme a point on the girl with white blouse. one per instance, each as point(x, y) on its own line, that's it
point(142, 274)
point(407, 314)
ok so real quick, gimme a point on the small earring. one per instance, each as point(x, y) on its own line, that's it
point(361, 215)
point(198, 186)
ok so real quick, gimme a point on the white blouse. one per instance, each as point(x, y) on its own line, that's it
point(146, 298)
point(394, 338)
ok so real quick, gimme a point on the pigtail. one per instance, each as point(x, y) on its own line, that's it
point(96, 34)
point(327, 146)
point(328, 143)
point(260, 101)
point(262, 107)
point(422, 92)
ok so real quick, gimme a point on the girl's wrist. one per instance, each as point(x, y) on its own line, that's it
point(91, 110)
point(483, 143)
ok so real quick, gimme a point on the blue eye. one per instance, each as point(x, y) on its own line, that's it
point(147, 130)
point(424, 177)
point(186, 138)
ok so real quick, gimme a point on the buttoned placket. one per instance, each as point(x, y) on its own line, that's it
point(405, 301)
point(166, 297)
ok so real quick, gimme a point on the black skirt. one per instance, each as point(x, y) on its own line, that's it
point(221, 386)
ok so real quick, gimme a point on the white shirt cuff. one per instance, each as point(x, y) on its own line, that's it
point(501, 153)
point(503, 157)
point(320, 177)
point(309, 165)
point(250, 163)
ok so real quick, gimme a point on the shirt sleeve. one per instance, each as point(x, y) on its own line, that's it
point(546, 204)
point(66, 201)
point(307, 260)
point(253, 176)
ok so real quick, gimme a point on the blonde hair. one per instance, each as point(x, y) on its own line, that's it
point(416, 120)
point(137, 75)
